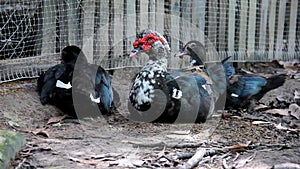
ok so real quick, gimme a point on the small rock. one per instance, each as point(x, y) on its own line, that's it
point(295, 111)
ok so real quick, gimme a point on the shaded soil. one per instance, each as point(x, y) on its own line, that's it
point(116, 142)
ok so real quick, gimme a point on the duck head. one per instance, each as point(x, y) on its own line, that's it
point(195, 50)
point(70, 54)
point(152, 43)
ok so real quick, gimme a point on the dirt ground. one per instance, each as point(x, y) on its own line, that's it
point(232, 139)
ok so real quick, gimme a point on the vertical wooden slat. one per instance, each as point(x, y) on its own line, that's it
point(198, 20)
point(231, 25)
point(88, 29)
point(152, 14)
point(118, 29)
point(185, 27)
point(293, 27)
point(263, 25)
point(212, 22)
point(271, 26)
point(63, 24)
point(49, 27)
point(159, 16)
point(102, 33)
point(222, 25)
point(280, 29)
point(174, 29)
point(130, 24)
point(243, 26)
point(175, 10)
point(185, 22)
point(73, 22)
point(251, 26)
point(144, 14)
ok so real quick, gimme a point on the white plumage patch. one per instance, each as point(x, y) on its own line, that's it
point(234, 95)
point(142, 90)
point(177, 94)
point(192, 62)
point(96, 100)
point(63, 85)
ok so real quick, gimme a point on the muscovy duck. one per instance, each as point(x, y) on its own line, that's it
point(241, 88)
point(196, 50)
point(54, 87)
point(73, 89)
point(157, 95)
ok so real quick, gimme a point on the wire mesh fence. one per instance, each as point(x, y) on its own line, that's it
point(33, 32)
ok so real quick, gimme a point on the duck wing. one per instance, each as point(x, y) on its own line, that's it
point(103, 90)
point(47, 82)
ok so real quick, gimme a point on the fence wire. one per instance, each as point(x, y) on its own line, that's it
point(33, 32)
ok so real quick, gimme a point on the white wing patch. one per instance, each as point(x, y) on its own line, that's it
point(234, 95)
point(63, 85)
point(177, 94)
point(96, 100)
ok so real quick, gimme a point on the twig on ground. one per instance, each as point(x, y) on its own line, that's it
point(164, 144)
point(198, 156)
point(20, 165)
point(224, 163)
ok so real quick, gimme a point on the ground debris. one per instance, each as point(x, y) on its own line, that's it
point(238, 146)
point(196, 158)
point(273, 137)
point(286, 165)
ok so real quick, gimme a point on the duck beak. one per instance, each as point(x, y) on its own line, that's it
point(134, 52)
point(181, 53)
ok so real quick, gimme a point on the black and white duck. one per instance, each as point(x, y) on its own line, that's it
point(158, 95)
point(74, 84)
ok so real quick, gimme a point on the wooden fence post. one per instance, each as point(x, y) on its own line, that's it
point(49, 27)
point(280, 28)
point(231, 25)
point(152, 14)
point(198, 20)
point(118, 31)
point(73, 22)
point(175, 29)
point(63, 25)
point(159, 16)
point(88, 29)
point(130, 27)
point(251, 27)
point(271, 25)
point(143, 15)
point(292, 27)
point(243, 28)
point(102, 34)
point(222, 26)
point(263, 26)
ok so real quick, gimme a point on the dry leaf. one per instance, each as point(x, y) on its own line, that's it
point(282, 112)
point(40, 131)
point(295, 111)
point(239, 146)
point(56, 119)
point(226, 115)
